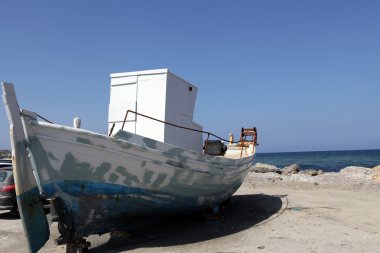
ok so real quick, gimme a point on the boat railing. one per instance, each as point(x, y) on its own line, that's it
point(245, 132)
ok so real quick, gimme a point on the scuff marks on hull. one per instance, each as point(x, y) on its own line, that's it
point(94, 207)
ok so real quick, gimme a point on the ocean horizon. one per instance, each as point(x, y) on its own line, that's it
point(328, 161)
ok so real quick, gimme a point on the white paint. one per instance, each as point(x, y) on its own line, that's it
point(77, 122)
point(60, 141)
point(159, 94)
point(22, 169)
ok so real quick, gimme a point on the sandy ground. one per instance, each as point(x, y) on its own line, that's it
point(264, 217)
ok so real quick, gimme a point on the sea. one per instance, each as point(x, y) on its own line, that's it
point(328, 161)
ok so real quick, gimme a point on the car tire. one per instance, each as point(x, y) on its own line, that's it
point(14, 211)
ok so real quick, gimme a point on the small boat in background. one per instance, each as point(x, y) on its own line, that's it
point(102, 183)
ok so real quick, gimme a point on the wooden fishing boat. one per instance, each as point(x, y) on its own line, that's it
point(99, 183)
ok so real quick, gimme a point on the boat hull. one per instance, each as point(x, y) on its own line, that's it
point(98, 208)
point(106, 184)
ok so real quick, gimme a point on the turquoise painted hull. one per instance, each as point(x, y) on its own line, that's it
point(34, 219)
point(99, 208)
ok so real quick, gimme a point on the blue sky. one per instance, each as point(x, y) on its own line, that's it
point(305, 73)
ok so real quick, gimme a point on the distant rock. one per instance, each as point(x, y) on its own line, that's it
point(355, 170)
point(264, 168)
point(310, 172)
point(291, 169)
point(320, 172)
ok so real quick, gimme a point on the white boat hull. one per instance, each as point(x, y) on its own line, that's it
point(101, 178)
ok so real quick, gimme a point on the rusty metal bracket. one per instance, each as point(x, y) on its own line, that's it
point(243, 137)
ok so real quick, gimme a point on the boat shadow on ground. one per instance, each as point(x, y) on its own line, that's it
point(243, 212)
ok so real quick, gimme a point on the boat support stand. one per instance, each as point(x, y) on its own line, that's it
point(65, 228)
point(80, 246)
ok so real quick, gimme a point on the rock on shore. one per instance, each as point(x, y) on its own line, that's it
point(355, 170)
point(349, 178)
point(264, 168)
point(375, 173)
point(291, 169)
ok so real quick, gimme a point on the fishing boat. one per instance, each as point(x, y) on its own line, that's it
point(99, 183)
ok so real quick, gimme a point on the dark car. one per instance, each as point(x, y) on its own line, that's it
point(7, 191)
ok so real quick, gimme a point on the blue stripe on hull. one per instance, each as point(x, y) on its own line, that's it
point(98, 208)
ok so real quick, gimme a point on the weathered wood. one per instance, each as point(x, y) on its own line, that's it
point(31, 210)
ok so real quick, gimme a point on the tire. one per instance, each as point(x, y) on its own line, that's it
point(14, 211)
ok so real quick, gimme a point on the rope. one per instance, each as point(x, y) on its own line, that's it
point(39, 116)
point(48, 121)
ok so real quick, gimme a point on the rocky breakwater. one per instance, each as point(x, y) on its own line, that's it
point(349, 178)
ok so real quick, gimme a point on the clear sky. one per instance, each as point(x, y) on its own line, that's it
point(305, 73)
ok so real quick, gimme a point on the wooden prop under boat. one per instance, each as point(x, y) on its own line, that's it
point(99, 184)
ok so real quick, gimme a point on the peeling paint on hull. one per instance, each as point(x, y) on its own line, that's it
point(100, 207)
point(33, 217)
point(106, 189)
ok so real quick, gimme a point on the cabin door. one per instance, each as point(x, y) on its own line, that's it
point(123, 97)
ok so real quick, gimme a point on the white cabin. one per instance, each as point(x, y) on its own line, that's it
point(159, 94)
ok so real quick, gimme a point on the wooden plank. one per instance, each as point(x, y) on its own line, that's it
point(31, 210)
